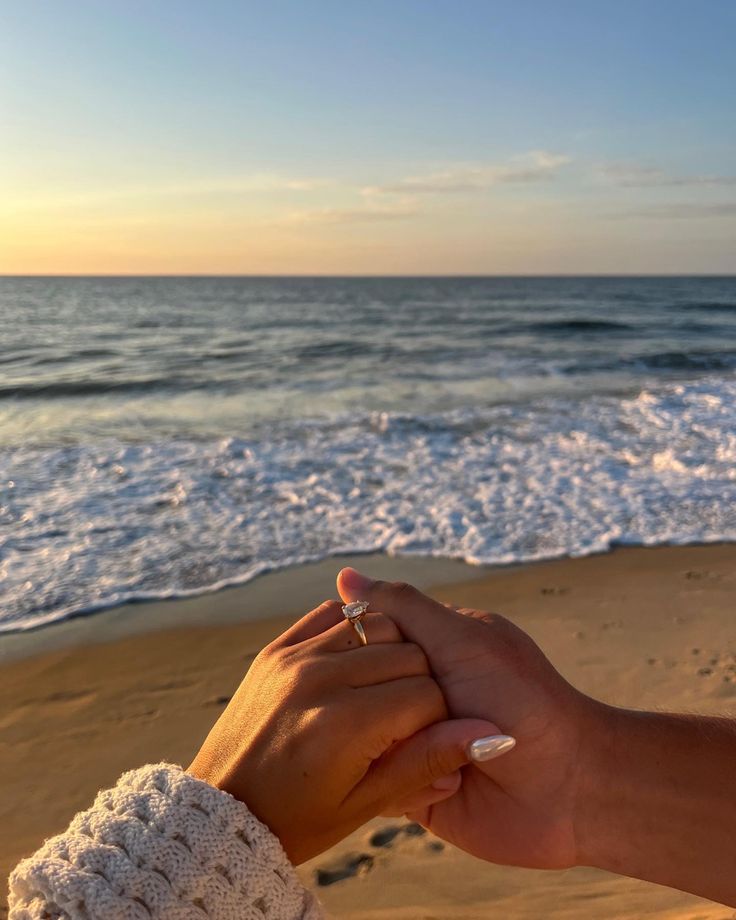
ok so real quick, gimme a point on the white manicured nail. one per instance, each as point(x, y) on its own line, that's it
point(483, 749)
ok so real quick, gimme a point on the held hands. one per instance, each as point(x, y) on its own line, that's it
point(324, 734)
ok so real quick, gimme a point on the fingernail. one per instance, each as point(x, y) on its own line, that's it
point(483, 749)
point(355, 581)
point(447, 783)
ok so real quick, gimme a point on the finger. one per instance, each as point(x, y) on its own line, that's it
point(479, 751)
point(398, 709)
point(441, 789)
point(419, 618)
point(379, 629)
point(378, 664)
point(417, 762)
point(312, 624)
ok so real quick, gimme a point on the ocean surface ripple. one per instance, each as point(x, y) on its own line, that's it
point(298, 426)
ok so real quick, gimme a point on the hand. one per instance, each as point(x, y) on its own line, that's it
point(324, 734)
point(519, 809)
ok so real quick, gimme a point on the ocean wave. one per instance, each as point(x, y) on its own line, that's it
point(85, 527)
point(690, 360)
point(49, 389)
point(579, 325)
point(673, 361)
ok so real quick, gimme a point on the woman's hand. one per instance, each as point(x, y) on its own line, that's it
point(324, 733)
point(519, 809)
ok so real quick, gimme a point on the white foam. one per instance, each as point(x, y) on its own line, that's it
point(89, 527)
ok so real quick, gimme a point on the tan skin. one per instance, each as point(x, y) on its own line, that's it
point(324, 734)
point(648, 795)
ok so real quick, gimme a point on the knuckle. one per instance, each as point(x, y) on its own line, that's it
point(273, 652)
point(485, 617)
point(497, 629)
point(505, 631)
point(327, 606)
point(318, 719)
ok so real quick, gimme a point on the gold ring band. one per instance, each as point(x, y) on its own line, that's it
point(358, 627)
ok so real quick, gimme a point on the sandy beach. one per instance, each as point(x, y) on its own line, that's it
point(79, 703)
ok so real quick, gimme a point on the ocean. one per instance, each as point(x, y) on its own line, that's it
point(161, 437)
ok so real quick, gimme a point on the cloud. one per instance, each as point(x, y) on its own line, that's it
point(687, 211)
point(535, 166)
point(633, 175)
point(401, 199)
point(369, 214)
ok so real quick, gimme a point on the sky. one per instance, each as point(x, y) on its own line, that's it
point(354, 137)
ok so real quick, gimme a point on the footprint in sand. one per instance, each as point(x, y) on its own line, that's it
point(720, 668)
point(355, 864)
point(221, 700)
point(701, 575)
point(385, 836)
point(347, 866)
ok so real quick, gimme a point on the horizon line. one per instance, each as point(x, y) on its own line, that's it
point(363, 276)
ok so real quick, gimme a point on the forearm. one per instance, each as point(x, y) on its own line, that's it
point(657, 800)
point(161, 844)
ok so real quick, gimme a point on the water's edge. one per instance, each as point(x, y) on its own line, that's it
point(287, 593)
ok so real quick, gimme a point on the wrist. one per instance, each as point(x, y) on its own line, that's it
point(655, 799)
point(598, 781)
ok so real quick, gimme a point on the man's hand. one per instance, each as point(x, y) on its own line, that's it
point(644, 794)
point(519, 809)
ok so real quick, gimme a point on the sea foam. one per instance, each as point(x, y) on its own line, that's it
point(85, 527)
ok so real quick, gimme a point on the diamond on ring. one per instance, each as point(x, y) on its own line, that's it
point(355, 611)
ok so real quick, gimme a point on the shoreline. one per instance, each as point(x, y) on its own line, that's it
point(289, 591)
point(639, 627)
point(260, 598)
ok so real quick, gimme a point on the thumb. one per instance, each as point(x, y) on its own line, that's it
point(421, 619)
point(430, 754)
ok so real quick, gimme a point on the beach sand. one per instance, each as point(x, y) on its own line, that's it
point(649, 628)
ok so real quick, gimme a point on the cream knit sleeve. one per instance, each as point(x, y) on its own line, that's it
point(161, 845)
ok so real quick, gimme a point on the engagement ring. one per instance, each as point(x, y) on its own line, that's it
point(354, 613)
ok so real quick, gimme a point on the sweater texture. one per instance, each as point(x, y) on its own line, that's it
point(161, 845)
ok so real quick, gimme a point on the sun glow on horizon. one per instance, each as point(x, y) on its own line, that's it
point(476, 150)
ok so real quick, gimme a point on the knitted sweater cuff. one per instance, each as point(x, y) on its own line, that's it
point(161, 845)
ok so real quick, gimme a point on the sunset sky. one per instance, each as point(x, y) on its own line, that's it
point(346, 137)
